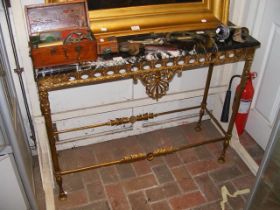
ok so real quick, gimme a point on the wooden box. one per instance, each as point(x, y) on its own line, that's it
point(107, 45)
point(60, 34)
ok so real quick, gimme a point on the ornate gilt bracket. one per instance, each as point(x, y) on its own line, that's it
point(157, 83)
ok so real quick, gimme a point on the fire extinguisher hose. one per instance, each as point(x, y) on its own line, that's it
point(226, 106)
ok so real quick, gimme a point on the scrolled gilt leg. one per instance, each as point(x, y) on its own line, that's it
point(236, 103)
point(46, 111)
point(201, 114)
point(205, 96)
point(222, 158)
point(62, 194)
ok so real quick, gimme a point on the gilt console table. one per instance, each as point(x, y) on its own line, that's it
point(155, 75)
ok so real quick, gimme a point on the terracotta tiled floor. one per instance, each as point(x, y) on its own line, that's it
point(190, 179)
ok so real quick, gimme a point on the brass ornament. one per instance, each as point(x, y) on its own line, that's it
point(164, 150)
point(157, 84)
point(134, 157)
point(132, 119)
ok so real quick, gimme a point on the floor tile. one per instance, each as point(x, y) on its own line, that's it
point(189, 179)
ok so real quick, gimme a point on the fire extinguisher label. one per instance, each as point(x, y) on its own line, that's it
point(244, 107)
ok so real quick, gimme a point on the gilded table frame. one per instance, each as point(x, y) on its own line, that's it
point(156, 79)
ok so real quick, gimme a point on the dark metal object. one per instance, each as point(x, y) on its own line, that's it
point(222, 33)
point(193, 41)
point(226, 106)
point(19, 71)
point(240, 34)
point(232, 33)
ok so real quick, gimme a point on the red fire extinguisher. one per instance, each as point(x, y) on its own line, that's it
point(245, 103)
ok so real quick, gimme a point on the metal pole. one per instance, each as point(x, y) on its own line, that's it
point(19, 71)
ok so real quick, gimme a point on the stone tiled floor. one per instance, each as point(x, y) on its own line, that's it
point(189, 179)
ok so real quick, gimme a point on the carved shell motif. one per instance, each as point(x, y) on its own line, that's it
point(157, 84)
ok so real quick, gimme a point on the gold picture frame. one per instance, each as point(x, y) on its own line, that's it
point(206, 14)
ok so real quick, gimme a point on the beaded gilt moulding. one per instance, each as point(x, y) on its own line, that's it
point(120, 18)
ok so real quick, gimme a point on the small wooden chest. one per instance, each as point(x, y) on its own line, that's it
point(60, 34)
point(107, 45)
